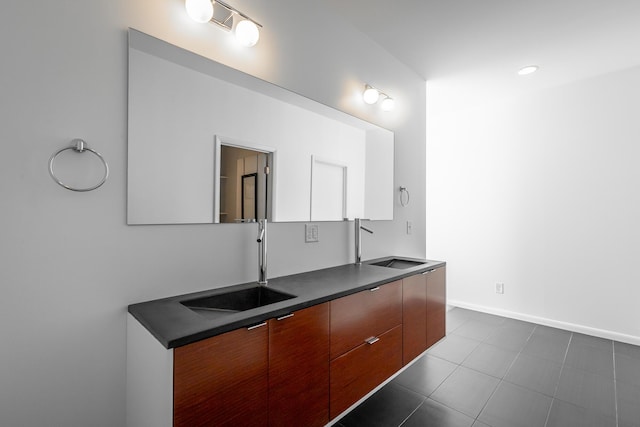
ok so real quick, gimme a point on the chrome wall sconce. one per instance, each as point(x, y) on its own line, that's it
point(246, 29)
point(371, 95)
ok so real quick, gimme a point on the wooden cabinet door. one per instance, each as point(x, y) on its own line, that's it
point(223, 380)
point(359, 371)
point(436, 305)
point(414, 317)
point(299, 368)
point(356, 317)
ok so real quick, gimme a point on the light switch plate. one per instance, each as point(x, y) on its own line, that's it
point(310, 233)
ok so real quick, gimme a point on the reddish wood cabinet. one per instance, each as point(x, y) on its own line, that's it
point(414, 317)
point(272, 375)
point(223, 380)
point(360, 370)
point(299, 368)
point(436, 305)
point(308, 367)
point(366, 343)
point(423, 312)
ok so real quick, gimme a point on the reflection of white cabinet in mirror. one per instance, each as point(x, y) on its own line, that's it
point(178, 103)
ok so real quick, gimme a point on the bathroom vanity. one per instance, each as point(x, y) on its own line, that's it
point(307, 347)
point(301, 354)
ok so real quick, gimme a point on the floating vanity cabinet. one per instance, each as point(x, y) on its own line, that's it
point(223, 380)
point(366, 343)
point(304, 368)
point(436, 305)
point(299, 368)
point(414, 317)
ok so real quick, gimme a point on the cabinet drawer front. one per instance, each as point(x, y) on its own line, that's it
point(359, 371)
point(222, 380)
point(357, 317)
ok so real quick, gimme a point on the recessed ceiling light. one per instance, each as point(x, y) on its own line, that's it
point(528, 70)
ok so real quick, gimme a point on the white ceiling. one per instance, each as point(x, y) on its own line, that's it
point(471, 49)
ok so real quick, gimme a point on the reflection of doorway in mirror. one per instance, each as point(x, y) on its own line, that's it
point(328, 190)
point(243, 184)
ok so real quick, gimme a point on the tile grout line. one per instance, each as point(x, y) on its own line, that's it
point(518, 354)
point(501, 379)
point(564, 359)
point(434, 390)
point(413, 412)
point(458, 366)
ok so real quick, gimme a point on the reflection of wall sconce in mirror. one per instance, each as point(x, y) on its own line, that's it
point(371, 95)
point(404, 196)
point(224, 15)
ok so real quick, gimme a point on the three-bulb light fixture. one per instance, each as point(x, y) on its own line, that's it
point(371, 95)
point(222, 14)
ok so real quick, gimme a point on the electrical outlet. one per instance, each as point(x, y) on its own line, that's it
point(500, 288)
point(310, 233)
point(409, 227)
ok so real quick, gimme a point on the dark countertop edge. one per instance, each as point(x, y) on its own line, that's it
point(262, 314)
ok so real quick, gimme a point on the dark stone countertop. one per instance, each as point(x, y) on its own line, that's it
point(175, 325)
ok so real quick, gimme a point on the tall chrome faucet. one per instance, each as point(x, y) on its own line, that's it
point(262, 252)
point(358, 239)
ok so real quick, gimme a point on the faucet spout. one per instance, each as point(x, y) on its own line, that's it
point(358, 239)
point(262, 251)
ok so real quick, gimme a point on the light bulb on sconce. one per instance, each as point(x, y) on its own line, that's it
point(371, 95)
point(199, 10)
point(246, 30)
point(247, 33)
point(387, 104)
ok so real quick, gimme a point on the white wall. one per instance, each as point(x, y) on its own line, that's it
point(540, 192)
point(69, 263)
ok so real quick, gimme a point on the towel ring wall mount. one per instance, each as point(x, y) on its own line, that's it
point(79, 146)
point(404, 201)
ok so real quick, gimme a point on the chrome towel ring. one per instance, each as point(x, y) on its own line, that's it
point(403, 191)
point(78, 146)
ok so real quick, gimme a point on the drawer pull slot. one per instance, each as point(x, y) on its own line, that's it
point(372, 340)
point(259, 325)
point(286, 316)
point(374, 289)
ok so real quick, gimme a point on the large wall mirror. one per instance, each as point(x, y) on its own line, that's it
point(210, 144)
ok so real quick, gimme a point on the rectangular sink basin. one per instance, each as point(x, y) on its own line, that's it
point(398, 263)
point(235, 301)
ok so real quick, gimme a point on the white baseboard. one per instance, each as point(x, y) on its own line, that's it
point(602, 333)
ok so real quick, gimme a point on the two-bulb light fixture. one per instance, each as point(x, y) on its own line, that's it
point(222, 14)
point(371, 95)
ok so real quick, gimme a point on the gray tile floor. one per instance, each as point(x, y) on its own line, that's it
point(499, 372)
